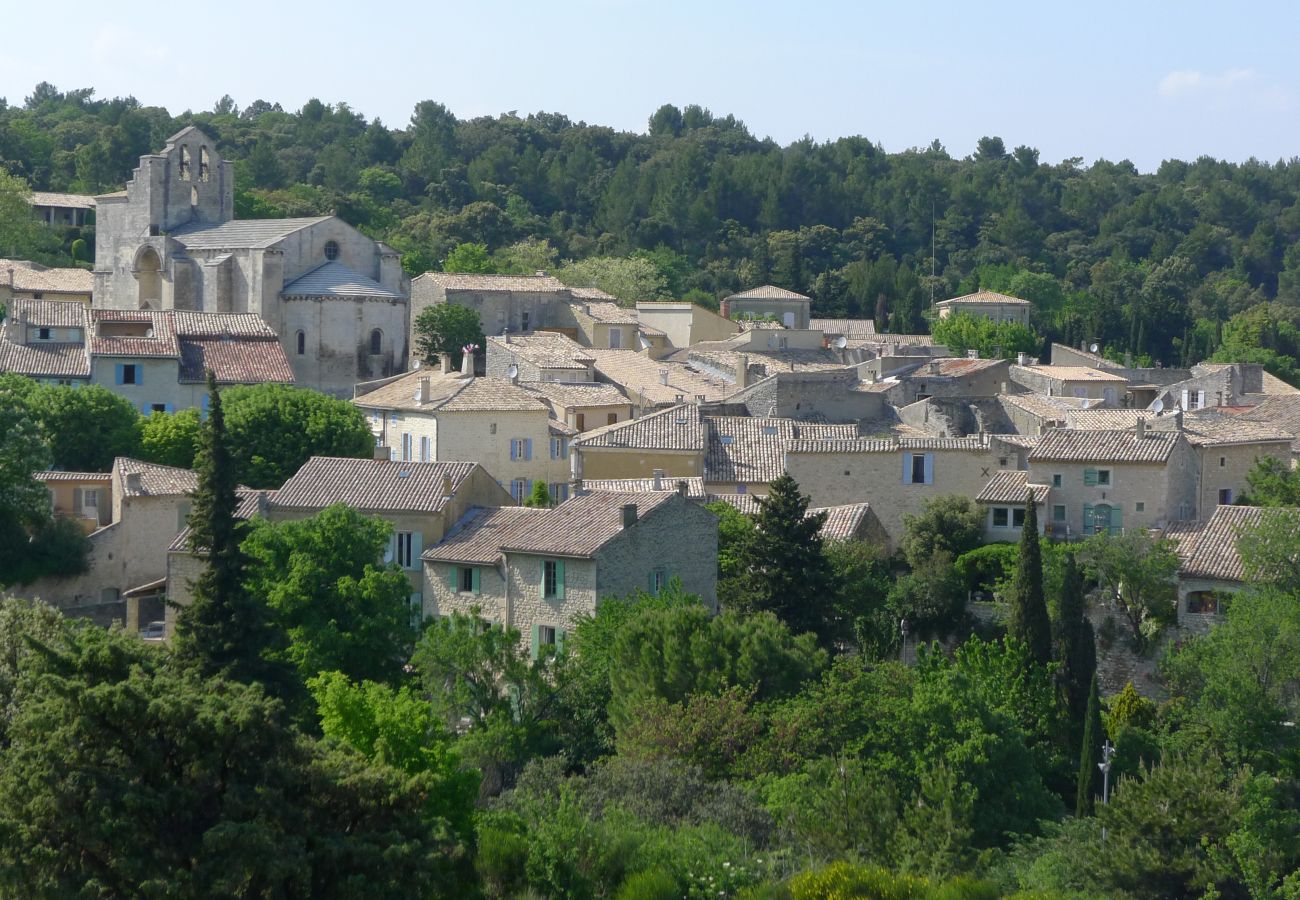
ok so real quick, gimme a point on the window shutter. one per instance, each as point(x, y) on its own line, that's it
point(907, 468)
point(559, 641)
point(1200, 399)
point(1087, 519)
point(119, 369)
point(541, 591)
point(929, 468)
point(474, 582)
point(513, 693)
point(139, 374)
point(1116, 520)
point(537, 641)
point(514, 450)
point(417, 547)
point(390, 549)
point(559, 579)
point(1090, 476)
point(528, 448)
point(453, 579)
point(76, 500)
point(169, 408)
point(1184, 398)
point(650, 579)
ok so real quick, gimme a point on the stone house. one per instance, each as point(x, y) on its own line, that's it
point(651, 383)
point(504, 303)
point(1036, 413)
point(953, 377)
point(987, 305)
point(336, 298)
point(23, 280)
point(1079, 382)
point(1213, 385)
point(539, 570)
point(846, 522)
point(63, 210)
point(744, 454)
point(1211, 564)
point(1003, 502)
point(603, 323)
point(829, 396)
point(539, 356)
point(582, 405)
point(1282, 413)
point(791, 309)
point(684, 324)
point(84, 497)
point(427, 416)
point(672, 440)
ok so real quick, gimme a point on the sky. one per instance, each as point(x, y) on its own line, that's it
point(1144, 80)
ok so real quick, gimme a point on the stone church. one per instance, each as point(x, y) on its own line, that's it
point(338, 300)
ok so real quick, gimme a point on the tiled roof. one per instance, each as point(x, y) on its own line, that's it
point(843, 522)
point(846, 327)
point(372, 484)
point(1040, 405)
point(47, 313)
point(577, 394)
point(249, 506)
point(591, 293)
point(1071, 373)
point(694, 485)
point(200, 324)
point(1011, 486)
point(985, 297)
point(641, 377)
point(547, 349)
point(69, 201)
point(1216, 431)
point(239, 234)
point(1104, 446)
point(163, 343)
point(333, 279)
point(1107, 419)
point(742, 449)
point(45, 360)
point(675, 428)
point(478, 536)
point(959, 367)
point(460, 281)
point(886, 445)
point(610, 313)
point(71, 476)
point(1210, 551)
point(30, 276)
point(451, 392)
point(769, 292)
point(1281, 412)
point(772, 362)
point(234, 361)
point(155, 480)
point(1276, 386)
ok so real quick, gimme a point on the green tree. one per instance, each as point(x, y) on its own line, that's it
point(85, 427)
point(785, 567)
point(1028, 621)
point(526, 257)
point(473, 258)
point(171, 439)
point(339, 606)
point(1139, 573)
point(275, 428)
point(226, 630)
point(1272, 483)
point(629, 280)
point(446, 328)
point(950, 524)
point(1000, 340)
point(1089, 753)
point(21, 235)
point(1076, 646)
point(540, 498)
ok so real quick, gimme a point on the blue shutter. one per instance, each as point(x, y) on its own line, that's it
point(907, 468)
point(514, 450)
point(929, 468)
point(203, 408)
point(121, 379)
point(474, 580)
point(559, 579)
point(559, 641)
point(167, 407)
point(139, 374)
point(528, 448)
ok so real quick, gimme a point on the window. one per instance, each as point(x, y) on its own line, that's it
point(521, 449)
point(204, 164)
point(559, 491)
point(392, 419)
point(611, 419)
point(1184, 512)
point(1056, 480)
point(90, 499)
point(918, 468)
point(466, 579)
point(581, 422)
point(405, 554)
point(376, 342)
point(302, 343)
point(1018, 517)
point(1058, 513)
point(492, 429)
point(658, 581)
point(1002, 462)
point(185, 163)
point(742, 488)
point(194, 196)
point(558, 448)
point(43, 334)
point(425, 456)
point(519, 489)
point(615, 338)
point(331, 250)
point(1140, 506)
point(158, 407)
point(999, 517)
point(1202, 603)
point(523, 320)
point(128, 373)
point(552, 579)
point(1223, 461)
point(1225, 496)
point(1103, 477)
point(545, 636)
point(406, 447)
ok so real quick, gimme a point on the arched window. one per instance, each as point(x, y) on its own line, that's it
point(302, 343)
point(185, 163)
point(376, 342)
point(331, 250)
point(203, 164)
point(148, 276)
point(194, 196)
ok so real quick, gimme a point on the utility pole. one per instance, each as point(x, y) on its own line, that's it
point(902, 653)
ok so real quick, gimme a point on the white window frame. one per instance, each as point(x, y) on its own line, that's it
point(403, 549)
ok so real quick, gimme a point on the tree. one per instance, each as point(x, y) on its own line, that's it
point(472, 258)
point(446, 328)
point(1028, 621)
point(326, 588)
point(85, 427)
point(629, 280)
point(1000, 340)
point(226, 630)
point(1272, 483)
point(1140, 574)
point(948, 524)
point(21, 235)
point(275, 428)
point(785, 567)
point(540, 498)
point(171, 439)
point(1076, 647)
point(1089, 753)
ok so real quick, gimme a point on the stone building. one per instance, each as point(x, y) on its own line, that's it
point(504, 303)
point(987, 305)
point(790, 309)
point(336, 298)
point(23, 280)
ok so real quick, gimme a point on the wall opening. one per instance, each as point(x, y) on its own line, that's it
point(148, 276)
point(204, 167)
point(376, 342)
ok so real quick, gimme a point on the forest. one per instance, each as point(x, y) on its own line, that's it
point(1197, 260)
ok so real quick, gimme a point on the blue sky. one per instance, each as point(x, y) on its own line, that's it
point(1141, 80)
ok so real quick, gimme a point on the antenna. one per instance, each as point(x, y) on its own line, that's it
point(932, 253)
point(1158, 407)
point(1094, 347)
point(841, 342)
point(512, 372)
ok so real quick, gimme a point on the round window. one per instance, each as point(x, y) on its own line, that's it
point(331, 250)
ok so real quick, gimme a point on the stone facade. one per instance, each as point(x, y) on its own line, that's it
point(811, 396)
point(685, 324)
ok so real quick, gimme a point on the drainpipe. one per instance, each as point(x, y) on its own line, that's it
point(507, 611)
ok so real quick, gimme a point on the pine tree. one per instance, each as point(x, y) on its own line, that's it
point(788, 572)
point(1029, 621)
point(1076, 648)
point(1090, 754)
point(540, 498)
point(224, 630)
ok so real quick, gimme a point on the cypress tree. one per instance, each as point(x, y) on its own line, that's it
point(1029, 621)
point(1090, 754)
point(1076, 648)
point(224, 630)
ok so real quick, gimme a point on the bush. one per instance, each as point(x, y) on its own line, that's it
point(984, 568)
point(653, 884)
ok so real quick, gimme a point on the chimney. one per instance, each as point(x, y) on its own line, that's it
point(679, 398)
point(629, 515)
point(658, 479)
point(425, 393)
point(935, 368)
point(724, 309)
point(444, 362)
point(682, 488)
point(577, 488)
point(742, 370)
point(972, 354)
point(446, 486)
point(1128, 360)
point(1140, 429)
point(663, 376)
point(467, 364)
point(133, 485)
point(1022, 359)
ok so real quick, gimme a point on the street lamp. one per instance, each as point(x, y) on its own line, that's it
point(902, 627)
point(1107, 753)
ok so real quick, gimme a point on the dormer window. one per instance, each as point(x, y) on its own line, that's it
point(44, 334)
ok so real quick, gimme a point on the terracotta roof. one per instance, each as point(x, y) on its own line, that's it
point(1215, 431)
point(47, 313)
point(72, 476)
point(842, 522)
point(675, 428)
point(1022, 441)
point(201, 324)
point(1281, 412)
point(1276, 386)
point(461, 281)
point(372, 484)
point(1011, 486)
point(771, 361)
point(958, 367)
point(610, 313)
point(694, 485)
point(1040, 405)
point(985, 297)
point(30, 276)
point(45, 359)
point(451, 392)
point(155, 480)
point(333, 279)
point(885, 338)
point(640, 378)
point(1071, 373)
point(248, 507)
point(547, 349)
point(1107, 419)
point(478, 536)
point(1210, 550)
point(769, 292)
point(846, 327)
point(744, 449)
point(163, 342)
point(234, 361)
point(568, 395)
point(68, 201)
point(238, 234)
point(1105, 446)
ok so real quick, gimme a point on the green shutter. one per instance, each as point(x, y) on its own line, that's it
point(537, 641)
point(474, 575)
point(1087, 519)
point(1090, 477)
point(541, 590)
point(1116, 520)
point(453, 579)
point(650, 586)
point(559, 579)
point(559, 641)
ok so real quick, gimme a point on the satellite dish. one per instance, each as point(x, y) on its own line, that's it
point(1093, 348)
point(642, 342)
point(841, 342)
point(1158, 406)
point(513, 372)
